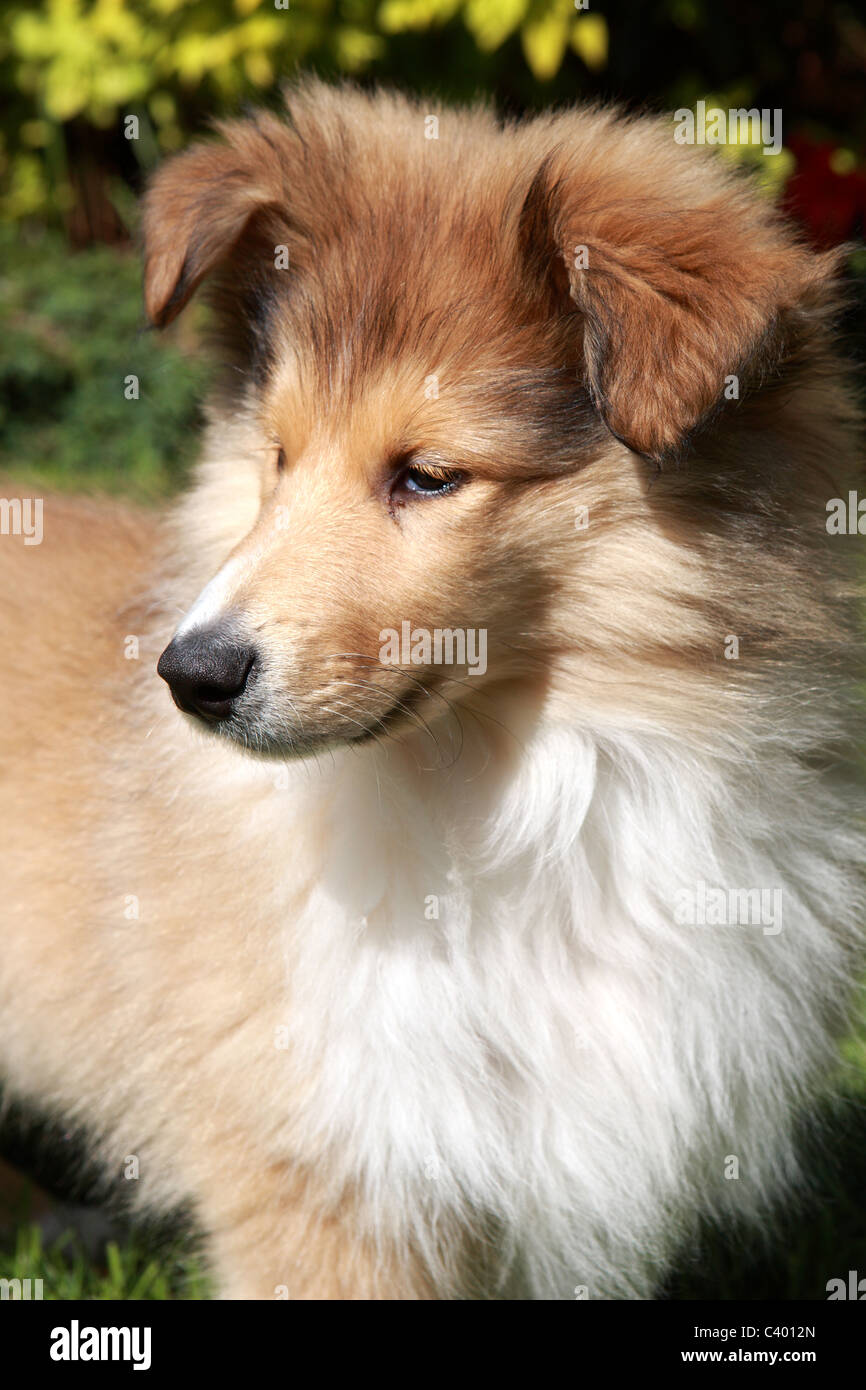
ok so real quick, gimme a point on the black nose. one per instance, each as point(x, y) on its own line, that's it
point(207, 671)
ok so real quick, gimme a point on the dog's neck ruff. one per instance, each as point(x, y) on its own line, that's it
point(502, 1015)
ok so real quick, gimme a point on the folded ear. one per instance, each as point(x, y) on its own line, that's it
point(199, 204)
point(682, 274)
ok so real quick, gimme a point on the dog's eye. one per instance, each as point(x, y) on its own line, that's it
point(281, 460)
point(429, 481)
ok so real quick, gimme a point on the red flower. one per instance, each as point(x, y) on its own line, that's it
point(830, 205)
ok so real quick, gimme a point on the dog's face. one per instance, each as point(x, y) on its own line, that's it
point(390, 573)
point(462, 362)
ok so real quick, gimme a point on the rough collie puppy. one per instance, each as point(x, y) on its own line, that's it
point(483, 909)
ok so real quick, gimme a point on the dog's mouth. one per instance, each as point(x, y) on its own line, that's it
point(401, 710)
point(221, 679)
point(257, 725)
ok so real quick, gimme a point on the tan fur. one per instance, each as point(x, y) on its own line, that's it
point(557, 389)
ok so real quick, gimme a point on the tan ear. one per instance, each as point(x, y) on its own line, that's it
point(197, 207)
point(683, 278)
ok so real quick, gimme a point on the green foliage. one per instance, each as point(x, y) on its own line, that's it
point(94, 59)
point(171, 62)
point(74, 71)
point(134, 1270)
point(74, 331)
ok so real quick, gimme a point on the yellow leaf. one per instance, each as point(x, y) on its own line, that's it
point(355, 48)
point(492, 21)
point(163, 108)
point(589, 39)
point(396, 16)
point(258, 69)
point(64, 99)
point(544, 41)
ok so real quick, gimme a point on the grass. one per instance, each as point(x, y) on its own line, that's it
point(132, 1270)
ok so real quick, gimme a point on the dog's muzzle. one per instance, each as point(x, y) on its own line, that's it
point(207, 671)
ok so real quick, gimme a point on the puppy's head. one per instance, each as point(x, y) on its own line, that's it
point(463, 363)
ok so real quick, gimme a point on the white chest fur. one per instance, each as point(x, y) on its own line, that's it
point(502, 1016)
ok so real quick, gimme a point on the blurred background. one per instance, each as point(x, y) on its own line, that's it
point(72, 74)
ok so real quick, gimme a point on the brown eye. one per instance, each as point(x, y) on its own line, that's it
point(281, 460)
point(427, 481)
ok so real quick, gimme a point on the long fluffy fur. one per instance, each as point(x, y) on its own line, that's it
point(538, 1089)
